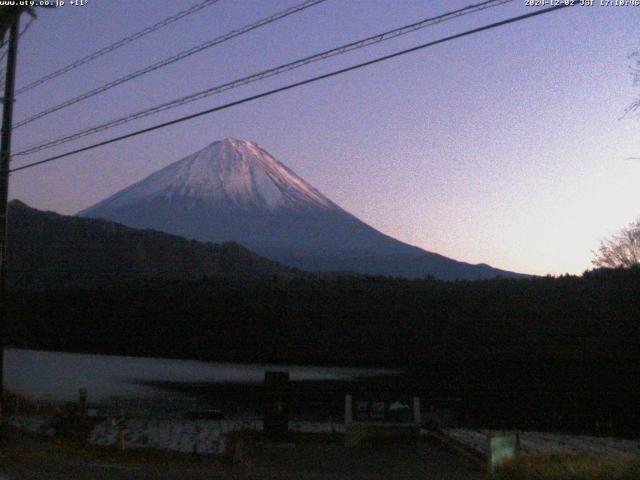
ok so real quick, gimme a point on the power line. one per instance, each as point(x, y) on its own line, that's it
point(266, 74)
point(168, 61)
point(120, 43)
point(295, 85)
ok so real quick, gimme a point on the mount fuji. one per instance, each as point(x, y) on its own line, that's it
point(233, 190)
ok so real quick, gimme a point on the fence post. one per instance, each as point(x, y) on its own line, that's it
point(416, 410)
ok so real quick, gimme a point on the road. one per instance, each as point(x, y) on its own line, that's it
point(336, 462)
point(38, 459)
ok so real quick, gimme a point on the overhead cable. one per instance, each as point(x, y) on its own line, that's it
point(120, 43)
point(290, 86)
point(265, 74)
point(168, 61)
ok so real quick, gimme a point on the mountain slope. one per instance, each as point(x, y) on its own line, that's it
point(48, 250)
point(233, 190)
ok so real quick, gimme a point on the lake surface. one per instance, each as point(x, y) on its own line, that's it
point(57, 376)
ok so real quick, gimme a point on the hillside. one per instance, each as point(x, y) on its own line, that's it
point(48, 250)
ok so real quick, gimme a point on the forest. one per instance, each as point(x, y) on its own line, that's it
point(566, 344)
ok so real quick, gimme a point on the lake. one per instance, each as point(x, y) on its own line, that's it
point(57, 376)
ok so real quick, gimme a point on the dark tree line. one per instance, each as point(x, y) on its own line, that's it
point(517, 348)
point(340, 319)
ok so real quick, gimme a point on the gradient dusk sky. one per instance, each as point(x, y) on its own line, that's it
point(506, 147)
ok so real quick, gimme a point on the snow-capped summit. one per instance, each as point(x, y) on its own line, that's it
point(234, 190)
point(231, 173)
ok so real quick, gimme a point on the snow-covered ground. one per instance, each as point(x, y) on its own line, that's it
point(187, 436)
point(209, 436)
point(539, 442)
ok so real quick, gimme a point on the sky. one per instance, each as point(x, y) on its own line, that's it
point(508, 147)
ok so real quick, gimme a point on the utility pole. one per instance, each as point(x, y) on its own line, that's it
point(5, 158)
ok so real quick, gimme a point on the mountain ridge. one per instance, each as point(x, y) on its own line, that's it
point(234, 178)
point(48, 250)
point(234, 190)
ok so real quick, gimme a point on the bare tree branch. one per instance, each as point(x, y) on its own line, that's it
point(621, 250)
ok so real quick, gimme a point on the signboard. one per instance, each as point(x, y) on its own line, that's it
point(394, 411)
point(368, 419)
point(397, 410)
point(503, 446)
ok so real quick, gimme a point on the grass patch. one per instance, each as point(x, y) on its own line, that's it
point(571, 467)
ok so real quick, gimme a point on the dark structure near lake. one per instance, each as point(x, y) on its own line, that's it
point(276, 404)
